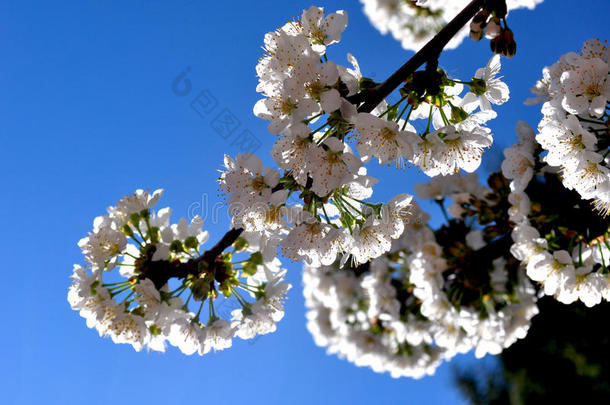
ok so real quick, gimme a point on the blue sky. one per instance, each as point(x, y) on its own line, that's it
point(87, 115)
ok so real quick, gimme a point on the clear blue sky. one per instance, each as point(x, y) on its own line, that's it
point(87, 115)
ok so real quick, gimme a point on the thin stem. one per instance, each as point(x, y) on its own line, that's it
point(308, 120)
point(115, 293)
point(248, 288)
point(445, 120)
point(460, 82)
point(316, 130)
point(136, 241)
point(346, 212)
point(186, 304)
point(407, 119)
point(601, 253)
point(443, 210)
point(362, 202)
point(106, 285)
point(351, 206)
point(402, 112)
point(429, 120)
point(242, 301)
point(127, 297)
point(325, 214)
point(392, 106)
point(211, 313)
point(591, 121)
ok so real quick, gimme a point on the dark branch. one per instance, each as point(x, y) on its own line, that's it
point(227, 240)
point(431, 51)
point(159, 272)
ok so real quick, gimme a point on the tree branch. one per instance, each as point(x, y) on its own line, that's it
point(227, 240)
point(431, 51)
point(159, 272)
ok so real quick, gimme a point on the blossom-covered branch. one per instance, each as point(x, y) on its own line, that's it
point(165, 278)
point(370, 98)
point(383, 288)
point(429, 53)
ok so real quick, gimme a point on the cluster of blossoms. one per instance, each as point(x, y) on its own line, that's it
point(429, 297)
point(413, 23)
point(382, 288)
point(162, 271)
point(300, 87)
point(124, 290)
point(575, 130)
point(453, 134)
point(562, 243)
point(324, 166)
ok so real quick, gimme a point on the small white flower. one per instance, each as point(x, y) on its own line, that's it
point(309, 241)
point(135, 203)
point(323, 31)
point(587, 88)
point(330, 164)
point(382, 139)
point(496, 91)
point(371, 239)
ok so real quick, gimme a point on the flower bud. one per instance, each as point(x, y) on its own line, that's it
point(476, 36)
point(414, 101)
point(497, 45)
point(153, 234)
point(478, 22)
point(127, 231)
point(154, 330)
point(191, 242)
point(477, 86)
point(176, 246)
point(93, 287)
point(256, 258)
point(201, 287)
point(134, 218)
point(240, 244)
point(493, 29)
point(511, 45)
point(499, 8)
point(225, 289)
point(504, 44)
point(249, 268)
point(366, 83)
point(458, 114)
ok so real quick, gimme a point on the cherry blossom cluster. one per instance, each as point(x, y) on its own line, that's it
point(569, 263)
point(575, 129)
point(453, 134)
point(410, 309)
point(415, 23)
point(361, 317)
point(350, 227)
point(124, 290)
point(301, 87)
